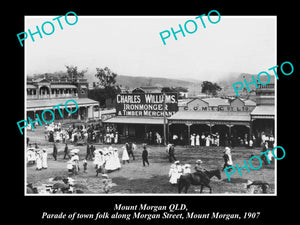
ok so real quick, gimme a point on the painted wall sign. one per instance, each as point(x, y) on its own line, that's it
point(144, 104)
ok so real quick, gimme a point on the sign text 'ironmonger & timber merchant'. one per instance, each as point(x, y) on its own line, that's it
point(152, 105)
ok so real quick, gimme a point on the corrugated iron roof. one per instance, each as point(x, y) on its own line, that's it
point(263, 110)
point(135, 120)
point(211, 116)
point(42, 104)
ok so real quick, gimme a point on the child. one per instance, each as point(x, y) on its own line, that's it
point(84, 165)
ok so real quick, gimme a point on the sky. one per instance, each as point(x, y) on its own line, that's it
point(131, 45)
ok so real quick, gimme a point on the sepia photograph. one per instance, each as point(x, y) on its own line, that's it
point(150, 105)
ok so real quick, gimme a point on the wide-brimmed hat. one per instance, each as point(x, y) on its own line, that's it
point(226, 149)
point(199, 161)
point(177, 162)
point(75, 151)
point(97, 151)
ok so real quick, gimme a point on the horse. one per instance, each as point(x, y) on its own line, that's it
point(186, 180)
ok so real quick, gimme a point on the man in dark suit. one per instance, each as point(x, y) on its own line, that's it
point(129, 150)
point(172, 153)
point(66, 151)
point(145, 155)
point(54, 152)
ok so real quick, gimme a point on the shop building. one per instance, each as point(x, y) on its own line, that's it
point(234, 120)
point(141, 115)
point(263, 115)
point(229, 118)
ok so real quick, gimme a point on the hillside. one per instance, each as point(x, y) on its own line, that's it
point(227, 87)
point(131, 82)
point(194, 86)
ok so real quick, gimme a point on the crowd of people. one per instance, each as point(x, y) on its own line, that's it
point(86, 133)
point(109, 159)
point(177, 169)
point(153, 138)
point(267, 143)
point(106, 159)
point(216, 139)
point(205, 140)
point(37, 156)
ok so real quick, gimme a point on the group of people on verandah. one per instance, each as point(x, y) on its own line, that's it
point(205, 140)
point(86, 133)
point(208, 139)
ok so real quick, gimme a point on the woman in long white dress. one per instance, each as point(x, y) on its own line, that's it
point(172, 171)
point(108, 138)
point(207, 141)
point(116, 158)
point(175, 172)
point(193, 140)
point(38, 155)
point(217, 141)
point(44, 159)
point(116, 138)
point(125, 156)
point(98, 159)
point(31, 157)
point(109, 165)
point(197, 140)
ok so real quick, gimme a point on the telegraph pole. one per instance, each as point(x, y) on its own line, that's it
point(165, 119)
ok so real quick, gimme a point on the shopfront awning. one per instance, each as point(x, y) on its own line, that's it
point(200, 117)
point(263, 112)
point(134, 120)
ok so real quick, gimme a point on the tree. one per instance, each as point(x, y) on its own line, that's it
point(174, 89)
point(107, 79)
point(210, 88)
point(167, 90)
point(73, 73)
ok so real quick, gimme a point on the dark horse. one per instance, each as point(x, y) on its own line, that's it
point(186, 180)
